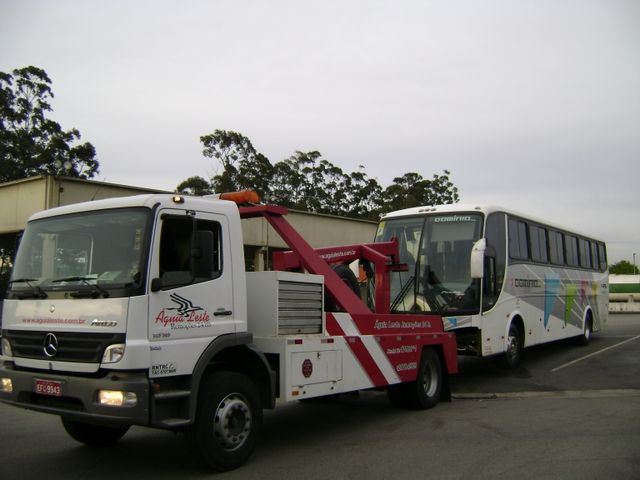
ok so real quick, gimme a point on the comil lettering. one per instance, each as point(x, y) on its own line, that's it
point(526, 283)
point(453, 218)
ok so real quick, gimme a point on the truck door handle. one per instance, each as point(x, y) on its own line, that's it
point(222, 313)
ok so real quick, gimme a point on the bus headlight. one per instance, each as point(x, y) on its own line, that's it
point(6, 348)
point(113, 353)
point(117, 398)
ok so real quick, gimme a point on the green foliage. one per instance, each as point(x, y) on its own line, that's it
point(194, 186)
point(230, 149)
point(30, 143)
point(411, 190)
point(623, 267)
point(306, 181)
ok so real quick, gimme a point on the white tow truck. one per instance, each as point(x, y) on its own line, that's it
point(138, 311)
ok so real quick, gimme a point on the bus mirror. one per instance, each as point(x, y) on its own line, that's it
point(477, 258)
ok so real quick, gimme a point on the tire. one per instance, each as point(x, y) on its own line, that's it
point(227, 421)
point(424, 392)
point(350, 280)
point(94, 435)
point(513, 354)
point(584, 339)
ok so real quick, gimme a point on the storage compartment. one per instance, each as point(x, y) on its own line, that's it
point(284, 303)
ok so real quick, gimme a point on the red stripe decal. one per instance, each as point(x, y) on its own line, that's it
point(360, 351)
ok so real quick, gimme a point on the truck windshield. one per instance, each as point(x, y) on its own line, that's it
point(437, 249)
point(89, 254)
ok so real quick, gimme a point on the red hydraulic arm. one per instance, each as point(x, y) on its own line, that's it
point(383, 255)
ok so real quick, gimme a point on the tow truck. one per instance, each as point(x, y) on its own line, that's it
point(139, 311)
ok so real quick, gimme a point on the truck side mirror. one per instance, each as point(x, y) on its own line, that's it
point(477, 258)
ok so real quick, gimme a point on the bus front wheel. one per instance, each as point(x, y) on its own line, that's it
point(513, 353)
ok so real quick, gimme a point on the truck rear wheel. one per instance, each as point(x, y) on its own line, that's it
point(227, 421)
point(425, 391)
point(94, 435)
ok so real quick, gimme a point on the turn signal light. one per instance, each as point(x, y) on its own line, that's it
point(245, 196)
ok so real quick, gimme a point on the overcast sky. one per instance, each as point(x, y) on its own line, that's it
point(534, 105)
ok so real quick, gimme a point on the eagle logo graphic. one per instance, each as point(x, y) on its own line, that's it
point(185, 307)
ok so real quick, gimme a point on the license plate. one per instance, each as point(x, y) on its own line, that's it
point(48, 387)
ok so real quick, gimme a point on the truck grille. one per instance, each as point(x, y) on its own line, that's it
point(71, 347)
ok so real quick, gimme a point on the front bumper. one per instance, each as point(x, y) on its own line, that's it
point(79, 395)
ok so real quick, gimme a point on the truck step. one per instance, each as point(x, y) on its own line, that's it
point(171, 394)
point(174, 422)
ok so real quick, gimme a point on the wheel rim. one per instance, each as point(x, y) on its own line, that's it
point(587, 330)
point(513, 347)
point(232, 422)
point(430, 379)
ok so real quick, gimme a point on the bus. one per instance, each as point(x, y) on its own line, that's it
point(502, 281)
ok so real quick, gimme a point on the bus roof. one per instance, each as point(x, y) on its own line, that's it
point(485, 209)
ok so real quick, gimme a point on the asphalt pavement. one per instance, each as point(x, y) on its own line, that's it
point(568, 412)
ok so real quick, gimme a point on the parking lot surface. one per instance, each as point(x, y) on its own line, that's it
point(568, 412)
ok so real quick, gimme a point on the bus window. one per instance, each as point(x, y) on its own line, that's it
point(585, 250)
point(594, 255)
point(571, 250)
point(602, 256)
point(495, 259)
point(556, 247)
point(518, 246)
point(538, 239)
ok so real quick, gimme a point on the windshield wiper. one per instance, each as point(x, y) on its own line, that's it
point(402, 294)
point(98, 290)
point(36, 291)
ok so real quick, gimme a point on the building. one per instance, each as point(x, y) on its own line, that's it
point(21, 198)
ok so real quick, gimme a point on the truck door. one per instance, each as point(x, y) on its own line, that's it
point(191, 296)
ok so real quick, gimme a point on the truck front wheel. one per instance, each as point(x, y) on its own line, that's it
point(227, 421)
point(94, 435)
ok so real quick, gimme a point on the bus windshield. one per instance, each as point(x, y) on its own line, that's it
point(437, 249)
point(82, 255)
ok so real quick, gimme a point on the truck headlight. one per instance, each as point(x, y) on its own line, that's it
point(6, 385)
point(117, 398)
point(6, 348)
point(113, 353)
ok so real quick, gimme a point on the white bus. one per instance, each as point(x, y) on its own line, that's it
point(501, 280)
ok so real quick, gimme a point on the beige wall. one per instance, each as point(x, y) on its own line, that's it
point(19, 201)
point(318, 230)
point(23, 198)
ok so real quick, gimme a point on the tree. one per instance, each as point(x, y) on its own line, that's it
point(624, 267)
point(306, 181)
point(32, 144)
point(228, 148)
point(411, 190)
point(195, 186)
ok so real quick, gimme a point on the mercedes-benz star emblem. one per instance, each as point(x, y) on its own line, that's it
point(50, 345)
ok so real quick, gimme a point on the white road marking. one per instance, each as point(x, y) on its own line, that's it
point(605, 393)
point(595, 353)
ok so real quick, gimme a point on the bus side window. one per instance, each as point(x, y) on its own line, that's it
point(495, 259)
point(571, 250)
point(518, 244)
point(602, 256)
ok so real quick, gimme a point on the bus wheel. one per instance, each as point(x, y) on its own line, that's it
point(586, 332)
point(227, 421)
point(512, 355)
point(94, 435)
point(425, 392)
